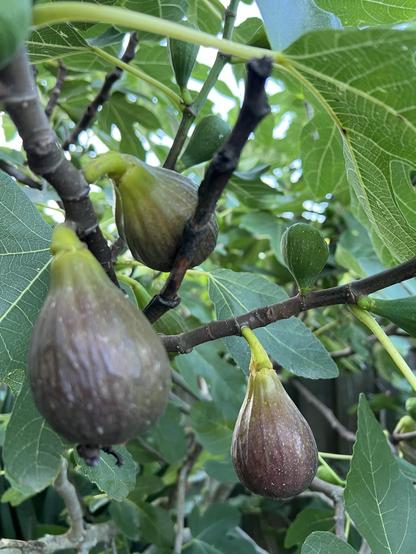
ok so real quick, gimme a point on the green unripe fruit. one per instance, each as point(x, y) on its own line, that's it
point(326, 474)
point(407, 447)
point(182, 57)
point(98, 371)
point(153, 205)
point(402, 311)
point(273, 449)
point(208, 136)
point(411, 407)
point(15, 20)
point(305, 253)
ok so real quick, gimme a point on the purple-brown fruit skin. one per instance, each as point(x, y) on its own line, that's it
point(98, 371)
point(273, 449)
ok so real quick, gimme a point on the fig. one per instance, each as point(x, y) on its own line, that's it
point(305, 253)
point(98, 371)
point(153, 204)
point(411, 407)
point(182, 57)
point(407, 448)
point(273, 449)
point(208, 136)
point(401, 311)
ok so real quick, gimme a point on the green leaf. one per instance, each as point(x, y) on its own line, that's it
point(213, 429)
point(326, 543)
point(115, 481)
point(24, 260)
point(169, 436)
point(365, 80)
point(380, 500)
point(213, 524)
point(306, 521)
point(287, 20)
point(370, 12)
point(288, 341)
point(14, 27)
point(32, 451)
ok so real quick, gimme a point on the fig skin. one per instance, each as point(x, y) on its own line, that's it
point(273, 449)
point(98, 371)
point(153, 204)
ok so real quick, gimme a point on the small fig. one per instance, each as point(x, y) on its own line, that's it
point(153, 205)
point(208, 136)
point(273, 449)
point(401, 311)
point(411, 407)
point(182, 57)
point(98, 371)
point(407, 448)
point(305, 253)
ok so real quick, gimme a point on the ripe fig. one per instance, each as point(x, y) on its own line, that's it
point(98, 371)
point(208, 136)
point(305, 253)
point(402, 311)
point(153, 205)
point(273, 449)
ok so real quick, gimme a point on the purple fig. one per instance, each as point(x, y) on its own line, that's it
point(98, 371)
point(273, 449)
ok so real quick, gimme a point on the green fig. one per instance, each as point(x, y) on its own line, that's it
point(208, 136)
point(153, 205)
point(273, 449)
point(402, 311)
point(182, 57)
point(407, 448)
point(98, 371)
point(411, 407)
point(305, 253)
point(15, 21)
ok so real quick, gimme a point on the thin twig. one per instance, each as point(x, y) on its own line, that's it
point(56, 91)
point(343, 353)
point(325, 411)
point(336, 494)
point(255, 107)
point(78, 537)
point(395, 438)
point(20, 176)
point(186, 469)
point(103, 95)
point(45, 157)
point(260, 317)
point(192, 111)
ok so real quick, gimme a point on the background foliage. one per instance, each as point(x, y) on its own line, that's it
point(338, 150)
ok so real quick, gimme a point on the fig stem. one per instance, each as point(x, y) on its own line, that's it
point(337, 478)
point(259, 358)
point(385, 341)
point(333, 456)
point(110, 163)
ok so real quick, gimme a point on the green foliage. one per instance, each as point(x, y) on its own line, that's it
point(337, 152)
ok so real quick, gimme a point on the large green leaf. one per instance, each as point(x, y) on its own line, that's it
point(32, 451)
point(370, 12)
point(288, 341)
point(380, 500)
point(323, 542)
point(24, 261)
point(365, 80)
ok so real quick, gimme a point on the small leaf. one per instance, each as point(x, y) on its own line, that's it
point(306, 521)
point(115, 481)
point(380, 500)
point(326, 543)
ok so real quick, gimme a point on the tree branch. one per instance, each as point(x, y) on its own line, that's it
point(255, 107)
point(395, 438)
point(336, 494)
point(192, 111)
point(46, 158)
point(325, 411)
point(77, 537)
point(56, 91)
point(103, 95)
point(19, 175)
point(260, 317)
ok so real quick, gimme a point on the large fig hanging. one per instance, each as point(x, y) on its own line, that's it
point(99, 372)
point(153, 205)
point(273, 449)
